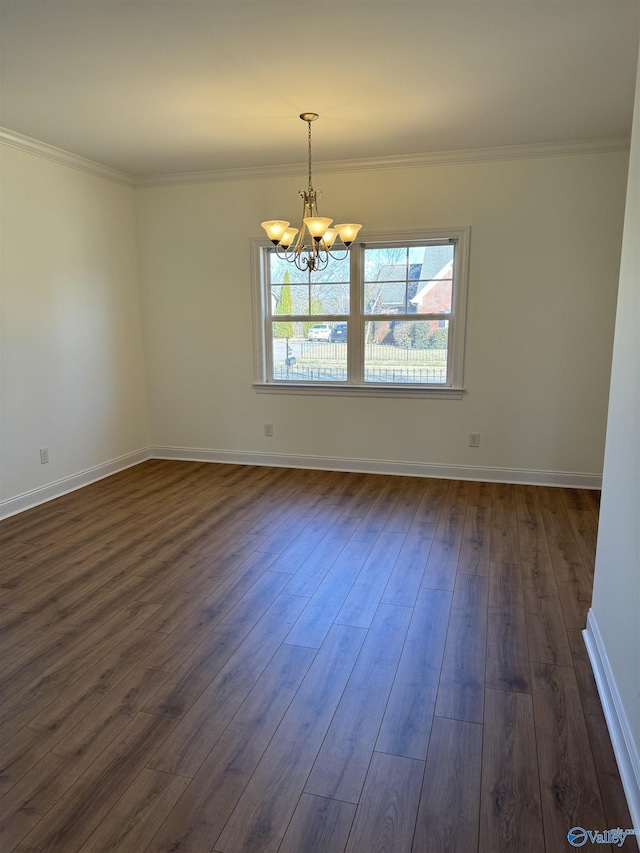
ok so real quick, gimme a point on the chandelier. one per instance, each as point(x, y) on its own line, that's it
point(312, 254)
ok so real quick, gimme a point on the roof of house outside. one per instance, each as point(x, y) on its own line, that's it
point(437, 264)
point(445, 274)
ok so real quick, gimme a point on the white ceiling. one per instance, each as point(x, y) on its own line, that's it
point(152, 88)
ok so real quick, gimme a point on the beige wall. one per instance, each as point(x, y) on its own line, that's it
point(616, 595)
point(545, 249)
point(71, 358)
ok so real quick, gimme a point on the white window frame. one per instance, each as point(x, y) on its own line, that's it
point(453, 388)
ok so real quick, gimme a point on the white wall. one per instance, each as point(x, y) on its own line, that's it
point(72, 360)
point(545, 249)
point(616, 595)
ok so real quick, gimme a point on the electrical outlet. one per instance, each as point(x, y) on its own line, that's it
point(474, 439)
point(44, 455)
point(268, 429)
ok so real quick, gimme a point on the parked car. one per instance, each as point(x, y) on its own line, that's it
point(320, 332)
point(338, 332)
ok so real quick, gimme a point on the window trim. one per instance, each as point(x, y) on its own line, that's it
point(453, 389)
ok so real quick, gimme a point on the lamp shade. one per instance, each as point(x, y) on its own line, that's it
point(275, 228)
point(329, 237)
point(317, 225)
point(288, 237)
point(348, 232)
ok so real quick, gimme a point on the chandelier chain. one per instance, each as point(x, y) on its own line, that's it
point(309, 125)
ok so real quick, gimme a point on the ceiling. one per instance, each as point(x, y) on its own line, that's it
point(152, 88)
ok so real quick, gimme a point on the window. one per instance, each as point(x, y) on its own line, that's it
point(389, 318)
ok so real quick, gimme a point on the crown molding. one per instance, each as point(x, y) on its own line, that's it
point(59, 155)
point(403, 161)
point(293, 170)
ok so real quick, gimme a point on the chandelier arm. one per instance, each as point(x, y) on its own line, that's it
point(323, 262)
point(338, 257)
point(299, 244)
point(283, 253)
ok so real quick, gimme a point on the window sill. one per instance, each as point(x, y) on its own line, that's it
point(335, 390)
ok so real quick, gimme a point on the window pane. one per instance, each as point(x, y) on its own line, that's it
point(283, 272)
point(290, 299)
point(328, 292)
point(390, 264)
point(433, 297)
point(406, 351)
point(423, 273)
point(431, 258)
point(330, 298)
point(385, 298)
point(335, 271)
point(296, 299)
point(309, 352)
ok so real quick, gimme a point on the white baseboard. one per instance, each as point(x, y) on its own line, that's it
point(12, 506)
point(624, 747)
point(27, 500)
point(376, 466)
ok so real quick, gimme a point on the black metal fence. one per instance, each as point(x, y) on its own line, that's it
point(326, 373)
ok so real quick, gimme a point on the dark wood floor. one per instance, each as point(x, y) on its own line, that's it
point(205, 657)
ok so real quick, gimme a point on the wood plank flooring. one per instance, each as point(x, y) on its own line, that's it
point(203, 657)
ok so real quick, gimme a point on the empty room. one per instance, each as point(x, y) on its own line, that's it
point(319, 535)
